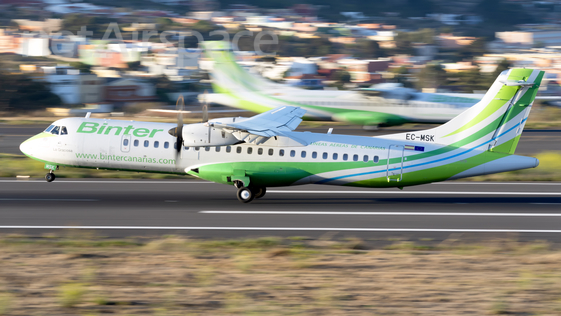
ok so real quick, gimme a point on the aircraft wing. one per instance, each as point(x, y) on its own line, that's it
point(261, 127)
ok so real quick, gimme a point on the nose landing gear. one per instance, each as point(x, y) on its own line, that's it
point(50, 177)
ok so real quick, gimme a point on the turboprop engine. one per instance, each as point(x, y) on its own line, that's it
point(204, 134)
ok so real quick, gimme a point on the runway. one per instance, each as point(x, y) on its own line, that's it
point(123, 208)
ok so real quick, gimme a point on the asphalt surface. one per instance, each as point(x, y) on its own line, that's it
point(122, 208)
point(201, 209)
point(531, 142)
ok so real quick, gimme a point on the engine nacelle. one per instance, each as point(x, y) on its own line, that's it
point(200, 134)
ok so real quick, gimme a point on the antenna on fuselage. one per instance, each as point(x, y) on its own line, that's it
point(88, 114)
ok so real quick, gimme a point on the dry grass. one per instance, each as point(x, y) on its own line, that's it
point(177, 276)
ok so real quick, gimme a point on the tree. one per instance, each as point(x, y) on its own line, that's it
point(84, 68)
point(163, 87)
point(403, 44)
point(342, 76)
point(75, 22)
point(497, 12)
point(369, 49)
point(19, 93)
point(502, 66)
point(401, 75)
point(432, 76)
point(476, 48)
point(471, 81)
point(134, 65)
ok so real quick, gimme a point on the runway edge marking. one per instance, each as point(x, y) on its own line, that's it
point(446, 230)
point(381, 213)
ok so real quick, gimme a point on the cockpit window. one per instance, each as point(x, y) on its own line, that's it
point(55, 130)
point(49, 128)
point(63, 131)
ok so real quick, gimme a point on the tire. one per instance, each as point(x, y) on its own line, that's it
point(245, 195)
point(260, 192)
point(50, 177)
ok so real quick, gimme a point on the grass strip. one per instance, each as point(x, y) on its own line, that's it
point(83, 274)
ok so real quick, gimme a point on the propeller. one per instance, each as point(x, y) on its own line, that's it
point(205, 114)
point(180, 104)
point(205, 107)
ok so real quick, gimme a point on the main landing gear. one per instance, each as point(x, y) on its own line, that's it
point(247, 194)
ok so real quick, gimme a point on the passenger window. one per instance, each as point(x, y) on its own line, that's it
point(185, 147)
point(355, 157)
point(260, 151)
point(314, 155)
point(376, 159)
point(292, 153)
point(217, 148)
point(63, 131)
point(335, 156)
point(228, 149)
point(156, 144)
point(281, 152)
point(166, 145)
point(125, 142)
point(249, 150)
point(365, 158)
point(324, 156)
point(271, 151)
point(136, 143)
point(207, 148)
point(174, 145)
point(239, 150)
point(345, 157)
point(146, 143)
point(197, 148)
point(48, 129)
point(303, 154)
point(55, 130)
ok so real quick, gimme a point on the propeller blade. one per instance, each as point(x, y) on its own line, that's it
point(205, 107)
point(180, 105)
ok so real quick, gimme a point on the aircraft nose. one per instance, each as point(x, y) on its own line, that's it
point(26, 147)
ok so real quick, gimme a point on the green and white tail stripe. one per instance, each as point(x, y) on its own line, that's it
point(498, 119)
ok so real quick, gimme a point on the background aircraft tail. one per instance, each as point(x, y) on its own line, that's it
point(496, 121)
point(228, 76)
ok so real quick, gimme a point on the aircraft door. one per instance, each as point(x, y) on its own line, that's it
point(126, 143)
point(394, 171)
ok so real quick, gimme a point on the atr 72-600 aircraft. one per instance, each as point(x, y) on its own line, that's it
point(263, 151)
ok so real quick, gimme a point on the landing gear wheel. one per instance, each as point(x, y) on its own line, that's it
point(245, 195)
point(50, 177)
point(260, 192)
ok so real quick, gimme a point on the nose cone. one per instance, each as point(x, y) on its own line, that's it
point(26, 147)
point(31, 146)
